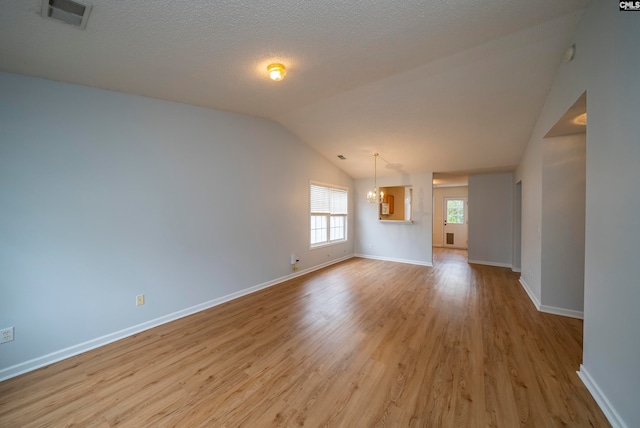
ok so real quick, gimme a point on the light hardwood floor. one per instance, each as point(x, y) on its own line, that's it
point(361, 344)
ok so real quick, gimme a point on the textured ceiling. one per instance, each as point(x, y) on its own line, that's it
point(432, 86)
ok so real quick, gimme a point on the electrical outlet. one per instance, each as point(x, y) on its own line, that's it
point(140, 300)
point(6, 335)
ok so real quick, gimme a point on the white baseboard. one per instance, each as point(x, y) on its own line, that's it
point(80, 348)
point(561, 311)
point(530, 293)
point(481, 262)
point(391, 259)
point(550, 309)
point(303, 272)
point(515, 269)
point(614, 418)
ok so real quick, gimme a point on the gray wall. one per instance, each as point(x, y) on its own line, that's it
point(491, 219)
point(607, 66)
point(408, 243)
point(106, 195)
point(563, 218)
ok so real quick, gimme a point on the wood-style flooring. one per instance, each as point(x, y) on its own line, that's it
point(363, 343)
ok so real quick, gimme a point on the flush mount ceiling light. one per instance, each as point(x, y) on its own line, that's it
point(276, 71)
point(570, 53)
point(580, 119)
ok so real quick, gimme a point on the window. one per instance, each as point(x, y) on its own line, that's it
point(455, 211)
point(328, 214)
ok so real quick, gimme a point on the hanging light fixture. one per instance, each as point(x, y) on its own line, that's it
point(373, 196)
point(276, 71)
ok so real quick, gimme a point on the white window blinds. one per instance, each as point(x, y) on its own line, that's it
point(328, 219)
point(328, 200)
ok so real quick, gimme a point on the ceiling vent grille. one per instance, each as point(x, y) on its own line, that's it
point(68, 11)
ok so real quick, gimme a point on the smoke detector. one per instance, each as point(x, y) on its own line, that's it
point(67, 11)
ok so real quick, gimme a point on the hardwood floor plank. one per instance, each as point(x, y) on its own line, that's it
point(362, 343)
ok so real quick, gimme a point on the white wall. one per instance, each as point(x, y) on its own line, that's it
point(491, 219)
point(106, 195)
point(408, 243)
point(563, 218)
point(439, 193)
point(607, 66)
point(517, 227)
point(529, 173)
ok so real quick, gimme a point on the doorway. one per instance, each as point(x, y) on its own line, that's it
point(517, 226)
point(563, 205)
point(452, 186)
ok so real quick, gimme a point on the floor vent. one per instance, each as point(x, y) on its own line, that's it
point(67, 11)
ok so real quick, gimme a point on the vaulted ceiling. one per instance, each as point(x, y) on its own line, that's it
point(430, 85)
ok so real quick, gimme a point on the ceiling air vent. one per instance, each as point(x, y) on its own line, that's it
point(67, 11)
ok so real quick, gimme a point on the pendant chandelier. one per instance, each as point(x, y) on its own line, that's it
point(374, 196)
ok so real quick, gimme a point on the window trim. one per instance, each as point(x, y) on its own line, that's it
point(329, 242)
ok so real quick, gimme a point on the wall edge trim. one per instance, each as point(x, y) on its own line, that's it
point(609, 411)
point(561, 311)
point(395, 260)
point(482, 262)
point(529, 292)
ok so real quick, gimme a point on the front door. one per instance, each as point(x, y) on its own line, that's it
point(455, 222)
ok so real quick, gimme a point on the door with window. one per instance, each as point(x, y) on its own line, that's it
point(455, 222)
